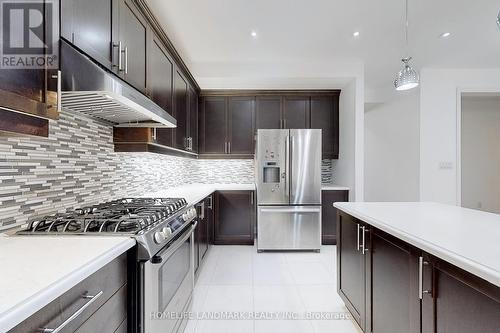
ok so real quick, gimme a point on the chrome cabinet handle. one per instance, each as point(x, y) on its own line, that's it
point(59, 90)
point(251, 198)
point(202, 210)
point(421, 291)
point(363, 236)
point(229, 147)
point(210, 204)
point(59, 328)
point(126, 59)
point(359, 233)
point(120, 60)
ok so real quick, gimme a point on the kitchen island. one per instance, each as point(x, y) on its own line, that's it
point(419, 267)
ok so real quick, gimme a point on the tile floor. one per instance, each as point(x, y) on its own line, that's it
point(238, 279)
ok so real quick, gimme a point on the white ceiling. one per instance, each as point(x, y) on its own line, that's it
point(309, 43)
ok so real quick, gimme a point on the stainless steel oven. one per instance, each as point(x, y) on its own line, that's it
point(167, 285)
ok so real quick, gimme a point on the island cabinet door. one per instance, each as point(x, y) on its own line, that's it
point(351, 266)
point(457, 301)
point(393, 303)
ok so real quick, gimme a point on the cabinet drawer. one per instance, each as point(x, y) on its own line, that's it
point(109, 317)
point(108, 280)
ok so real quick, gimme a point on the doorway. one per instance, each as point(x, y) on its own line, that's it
point(480, 151)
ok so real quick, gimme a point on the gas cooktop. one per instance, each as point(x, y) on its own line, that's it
point(124, 216)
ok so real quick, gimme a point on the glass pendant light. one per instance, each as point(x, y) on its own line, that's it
point(407, 77)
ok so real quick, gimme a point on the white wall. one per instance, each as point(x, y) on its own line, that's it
point(349, 168)
point(480, 153)
point(439, 138)
point(392, 149)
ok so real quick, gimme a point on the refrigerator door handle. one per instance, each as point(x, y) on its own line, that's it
point(287, 166)
point(291, 210)
point(290, 174)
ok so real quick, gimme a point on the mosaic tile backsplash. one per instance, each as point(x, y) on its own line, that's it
point(76, 165)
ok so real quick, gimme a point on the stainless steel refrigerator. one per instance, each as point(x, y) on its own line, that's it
point(288, 181)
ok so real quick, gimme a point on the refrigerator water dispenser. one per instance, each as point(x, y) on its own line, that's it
point(271, 173)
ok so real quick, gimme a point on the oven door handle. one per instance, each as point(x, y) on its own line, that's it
point(157, 259)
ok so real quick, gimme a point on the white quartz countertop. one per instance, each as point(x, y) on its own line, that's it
point(35, 270)
point(464, 237)
point(194, 193)
point(333, 187)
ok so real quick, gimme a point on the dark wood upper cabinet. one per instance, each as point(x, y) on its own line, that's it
point(351, 263)
point(234, 218)
point(227, 126)
point(160, 74)
point(25, 93)
point(181, 110)
point(160, 85)
point(213, 125)
point(393, 304)
point(325, 116)
point(268, 112)
point(193, 120)
point(241, 123)
point(132, 34)
point(246, 111)
point(296, 112)
point(88, 24)
point(329, 215)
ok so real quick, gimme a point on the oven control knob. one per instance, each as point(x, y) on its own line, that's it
point(166, 232)
point(185, 216)
point(159, 237)
point(192, 212)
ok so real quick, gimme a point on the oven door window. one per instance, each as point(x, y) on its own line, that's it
point(172, 274)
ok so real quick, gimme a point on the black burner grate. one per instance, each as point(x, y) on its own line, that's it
point(127, 215)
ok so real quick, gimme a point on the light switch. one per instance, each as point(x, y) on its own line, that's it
point(445, 165)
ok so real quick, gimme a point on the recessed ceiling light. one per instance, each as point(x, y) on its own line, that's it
point(356, 34)
point(254, 34)
point(445, 35)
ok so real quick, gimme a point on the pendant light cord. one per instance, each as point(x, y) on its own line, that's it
point(406, 29)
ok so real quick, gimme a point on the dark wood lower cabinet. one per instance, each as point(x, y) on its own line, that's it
point(234, 218)
point(329, 215)
point(202, 233)
point(351, 269)
point(393, 304)
point(458, 301)
point(380, 286)
point(107, 313)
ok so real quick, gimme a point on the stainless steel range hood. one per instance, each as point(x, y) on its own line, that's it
point(89, 89)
